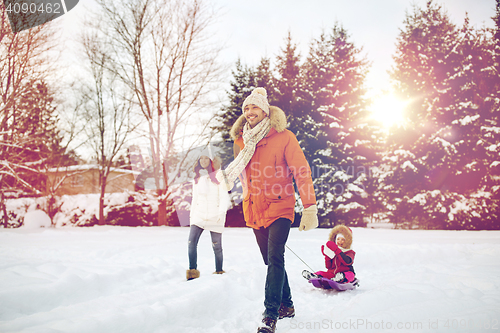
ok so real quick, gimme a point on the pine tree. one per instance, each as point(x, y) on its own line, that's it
point(289, 86)
point(264, 78)
point(480, 128)
point(424, 64)
point(467, 117)
point(496, 39)
point(335, 92)
point(34, 141)
point(492, 130)
point(440, 163)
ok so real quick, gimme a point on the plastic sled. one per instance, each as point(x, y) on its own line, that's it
point(325, 283)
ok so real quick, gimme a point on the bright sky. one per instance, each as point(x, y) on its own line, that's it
point(257, 28)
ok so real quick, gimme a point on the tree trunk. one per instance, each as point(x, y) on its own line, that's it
point(4, 210)
point(162, 206)
point(101, 201)
point(162, 211)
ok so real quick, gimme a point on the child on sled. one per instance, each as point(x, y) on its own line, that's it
point(338, 257)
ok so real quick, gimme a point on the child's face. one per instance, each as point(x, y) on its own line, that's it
point(340, 241)
point(204, 162)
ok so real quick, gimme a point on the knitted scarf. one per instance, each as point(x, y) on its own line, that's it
point(251, 136)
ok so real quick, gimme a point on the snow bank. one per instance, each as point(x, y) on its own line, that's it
point(75, 210)
point(36, 219)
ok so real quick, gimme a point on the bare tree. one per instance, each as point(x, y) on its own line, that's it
point(160, 50)
point(24, 64)
point(106, 112)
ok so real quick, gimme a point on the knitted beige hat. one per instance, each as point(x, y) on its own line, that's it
point(257, 97)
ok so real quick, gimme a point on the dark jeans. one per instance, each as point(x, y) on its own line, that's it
point(272, 242)
point(194, 236)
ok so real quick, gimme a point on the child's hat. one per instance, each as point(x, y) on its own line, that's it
point(343, 230)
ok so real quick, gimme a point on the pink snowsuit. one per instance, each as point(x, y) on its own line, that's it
point(337, 261)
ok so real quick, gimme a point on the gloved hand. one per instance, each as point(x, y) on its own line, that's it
point(330, 250)
point(309, 218)
point(334, 247)
point(221, 178)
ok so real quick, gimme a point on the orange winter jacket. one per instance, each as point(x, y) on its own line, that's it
point(268, 191)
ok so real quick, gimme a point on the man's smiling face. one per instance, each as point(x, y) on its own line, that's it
point(254, 115)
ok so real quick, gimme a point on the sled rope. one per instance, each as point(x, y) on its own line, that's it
point(312, 270)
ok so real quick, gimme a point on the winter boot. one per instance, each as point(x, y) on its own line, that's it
point(286, 312)
point(269, 326)
point(192, 274)
point(308, 275)
point(219, 272)
point(339, 277)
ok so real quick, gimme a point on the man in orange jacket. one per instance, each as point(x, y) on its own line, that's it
point(267, 160)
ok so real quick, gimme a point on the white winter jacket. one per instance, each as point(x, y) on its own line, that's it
point(209, 205)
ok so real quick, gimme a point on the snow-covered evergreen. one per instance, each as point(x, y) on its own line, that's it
point(335, 71)
point(446, 73)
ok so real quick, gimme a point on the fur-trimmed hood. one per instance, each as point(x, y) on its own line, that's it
point(342, 229)
point(276, 115)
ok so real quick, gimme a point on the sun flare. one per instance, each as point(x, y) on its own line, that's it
point(388, 110)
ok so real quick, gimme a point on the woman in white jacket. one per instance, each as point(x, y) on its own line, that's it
point(208, 212)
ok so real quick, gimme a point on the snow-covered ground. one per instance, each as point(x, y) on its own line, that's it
point(119, 279)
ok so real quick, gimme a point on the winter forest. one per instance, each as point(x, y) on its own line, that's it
point(147, 75)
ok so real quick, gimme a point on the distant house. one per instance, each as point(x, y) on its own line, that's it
point(84, 179)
